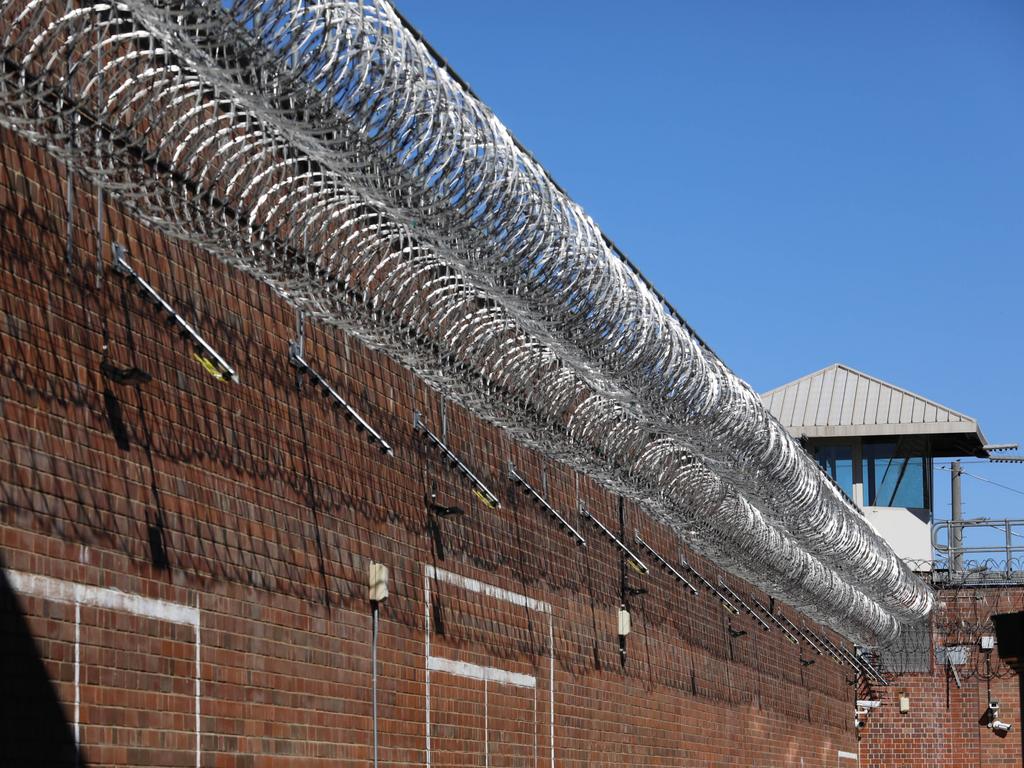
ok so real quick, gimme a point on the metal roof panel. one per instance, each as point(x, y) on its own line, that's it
point(845, 401)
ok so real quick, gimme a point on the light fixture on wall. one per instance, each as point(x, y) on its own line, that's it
point(625, 627)
point(733, 632)
point(440, 510)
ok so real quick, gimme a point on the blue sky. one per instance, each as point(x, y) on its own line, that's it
point(807, 182)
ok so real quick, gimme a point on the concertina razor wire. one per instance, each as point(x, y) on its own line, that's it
point(320, 147)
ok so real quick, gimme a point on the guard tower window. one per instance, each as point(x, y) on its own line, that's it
point(837, 461)
point(891, 480)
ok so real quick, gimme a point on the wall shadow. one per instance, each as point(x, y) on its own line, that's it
point(34, 730)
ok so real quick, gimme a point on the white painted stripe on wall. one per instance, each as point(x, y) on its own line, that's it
point(477, 672)
point(472, 585)
point(102, 597)
point(430, 573)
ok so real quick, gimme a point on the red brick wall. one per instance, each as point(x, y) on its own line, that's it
point(244, 517)
point(946, 724)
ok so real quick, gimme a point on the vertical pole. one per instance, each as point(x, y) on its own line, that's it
point(69, 248)
point(1009, 547)
point(858, 473)
point(99, 142)
point(373, 662)
point(623, 591)
point(956, 539)
point(69, 196)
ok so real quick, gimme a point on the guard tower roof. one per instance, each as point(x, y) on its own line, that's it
point(839, 401)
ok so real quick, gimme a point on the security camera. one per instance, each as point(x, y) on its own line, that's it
point(858, 723)
point(1000, 727)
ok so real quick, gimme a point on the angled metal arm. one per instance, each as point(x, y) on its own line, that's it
point(543, 503)
point(481, 490)
point(709, 586)
point(870, 668)
point(802, 632)
point(829, 647)
point(761, 622)
point(207, 354)
point(775, 620)
point(632, 560)
point(295, 358)
point(664, 564)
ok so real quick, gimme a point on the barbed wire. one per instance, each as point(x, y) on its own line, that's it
point(951, 636)
point(318, 147)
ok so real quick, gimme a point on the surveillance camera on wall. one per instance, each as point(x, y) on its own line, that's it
point(1000, 727)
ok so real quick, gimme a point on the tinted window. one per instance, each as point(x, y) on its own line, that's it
point(894, 481)
point(837, 461)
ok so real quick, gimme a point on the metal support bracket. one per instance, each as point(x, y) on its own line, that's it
point(202, 351)
point(760, 622)
point(482, 491)
point(664, 564)
point(296, 359)
point(632, 560)
point(709, 586)
point(543, 503)
point(775, 620)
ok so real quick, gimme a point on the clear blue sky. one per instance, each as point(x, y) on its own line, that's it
point(807, 182)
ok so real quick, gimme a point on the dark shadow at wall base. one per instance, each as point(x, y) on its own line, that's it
point(33, 728)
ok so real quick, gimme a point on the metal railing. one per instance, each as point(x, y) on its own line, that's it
point(981, 550)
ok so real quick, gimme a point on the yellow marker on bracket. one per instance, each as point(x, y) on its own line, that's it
point(212, 369)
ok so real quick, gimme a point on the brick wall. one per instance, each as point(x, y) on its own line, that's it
point(183, 562)
point(946, 724)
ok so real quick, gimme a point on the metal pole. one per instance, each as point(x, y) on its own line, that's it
point(1009, 547)
point(956, 541)
point(373, 663)
point(99, 143)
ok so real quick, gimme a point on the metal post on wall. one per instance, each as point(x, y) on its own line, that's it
point(956, 535)
point(1009, 547)
point(99, 143)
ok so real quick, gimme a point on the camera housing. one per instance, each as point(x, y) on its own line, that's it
point(1000, 727)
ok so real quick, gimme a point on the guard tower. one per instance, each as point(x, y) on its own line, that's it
point(877, 442)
